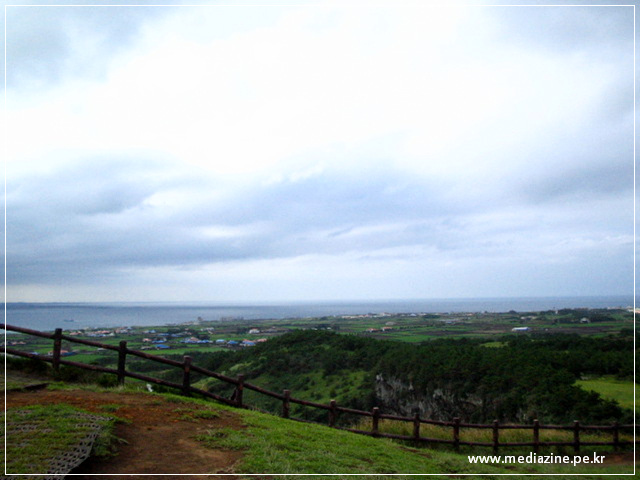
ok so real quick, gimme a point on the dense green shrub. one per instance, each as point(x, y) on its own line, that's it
point(529, 377)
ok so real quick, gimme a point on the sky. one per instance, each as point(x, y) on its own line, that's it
point(326, 151)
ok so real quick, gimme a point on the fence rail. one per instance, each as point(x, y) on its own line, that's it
point(56, 359)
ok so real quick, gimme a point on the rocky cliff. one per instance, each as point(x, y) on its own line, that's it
point(399, 397)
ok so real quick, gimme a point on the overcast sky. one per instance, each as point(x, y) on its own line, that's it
point(327, 152)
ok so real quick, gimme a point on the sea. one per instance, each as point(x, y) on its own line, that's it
point(69, 316)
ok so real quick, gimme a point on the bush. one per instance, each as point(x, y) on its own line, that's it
point(107, 380)
point(73, 374)
point(28, 365)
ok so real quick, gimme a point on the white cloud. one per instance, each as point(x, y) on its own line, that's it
point(255, 100)
point(326, 153)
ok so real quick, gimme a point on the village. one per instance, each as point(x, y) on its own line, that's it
point(239, 333)
point(176, 339)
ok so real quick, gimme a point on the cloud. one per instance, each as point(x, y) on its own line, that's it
point(109, 213)
point(577, 29)
point(49, 44)
point(341, 150)
point(114, 215)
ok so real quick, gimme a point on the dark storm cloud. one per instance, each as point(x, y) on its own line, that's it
point(48, 44)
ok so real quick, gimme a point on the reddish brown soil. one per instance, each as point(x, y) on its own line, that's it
point(159, 439)
point(620, 458)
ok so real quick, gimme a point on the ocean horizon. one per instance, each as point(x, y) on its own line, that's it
point(74, 315)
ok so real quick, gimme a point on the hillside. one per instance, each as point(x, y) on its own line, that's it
point(519, 380)
point(159, 430)
point(171, 434)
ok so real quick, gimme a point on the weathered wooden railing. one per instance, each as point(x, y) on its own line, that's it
point(56, 359)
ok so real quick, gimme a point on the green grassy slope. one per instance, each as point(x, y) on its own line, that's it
point(610, 388)
point(273, 445)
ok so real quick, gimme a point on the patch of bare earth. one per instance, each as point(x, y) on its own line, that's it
point(621, 458)
point(158, 437)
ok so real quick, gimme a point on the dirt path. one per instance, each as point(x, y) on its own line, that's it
point(159, 438)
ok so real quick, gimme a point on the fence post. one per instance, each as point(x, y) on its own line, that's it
point(332, 413)
point(416, 426)
point(496, 435)
point(616, 436)
point(285, 403)
point(456, 432)
point(536, 435)
point(57, 346)
point(576, 436)
point(375, 420)
point(186, 375)
point(122, 358)
point(239, 389)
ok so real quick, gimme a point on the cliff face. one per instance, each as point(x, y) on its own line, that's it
point(399, 397)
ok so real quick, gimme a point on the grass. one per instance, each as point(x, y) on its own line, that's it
point(494, 344)
point(110, 407)
point(59, 429)
point(273, 445)
point(608, 387)
point(131, 386)
point(312, 386)
point(485, 435)
point(193, 415)
point(277, 446)
point(87, 357)
point(19, 380)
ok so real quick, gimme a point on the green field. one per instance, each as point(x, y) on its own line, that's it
point(407, 327)
point(611, 389)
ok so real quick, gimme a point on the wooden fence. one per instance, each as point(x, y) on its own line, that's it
point(333, 410)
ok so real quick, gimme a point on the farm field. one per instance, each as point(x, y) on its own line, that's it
point(610, 388)
point(212, 336)
point(359, 360)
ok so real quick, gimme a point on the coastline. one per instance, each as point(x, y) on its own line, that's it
point(48, 316)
